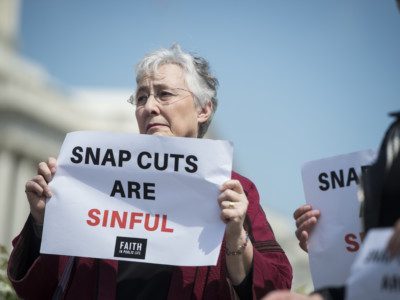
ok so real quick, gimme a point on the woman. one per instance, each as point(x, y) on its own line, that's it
point(175, 96)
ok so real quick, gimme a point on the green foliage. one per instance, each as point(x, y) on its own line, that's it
point(6, 290)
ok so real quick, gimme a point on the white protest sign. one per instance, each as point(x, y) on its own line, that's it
point(375, 274)
point(331, 186)
point(137, 197)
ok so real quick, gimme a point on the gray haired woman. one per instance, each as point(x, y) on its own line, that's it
point(176, 95)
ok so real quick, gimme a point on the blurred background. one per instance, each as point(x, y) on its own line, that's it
point(299, 81)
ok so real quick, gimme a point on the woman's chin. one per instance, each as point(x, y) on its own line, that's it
point(159, 133)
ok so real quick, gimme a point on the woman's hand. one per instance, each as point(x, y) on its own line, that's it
point(306, 218)
point(37, 189)
point(394, 242)
point(234, 203)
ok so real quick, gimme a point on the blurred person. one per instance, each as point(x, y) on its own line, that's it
point(380, 207)
point(175, 96)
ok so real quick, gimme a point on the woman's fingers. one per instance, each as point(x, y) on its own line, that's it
point(233, 203)
point(52, 164)
point(38, 185)
point(301, 210)
point(308, 225)
point(313, 214)
point(37, 189)
point(306, 219)
point(232, 195)
point(232, 184)
point(303, 241)
point(232, 211)
point(47, 169)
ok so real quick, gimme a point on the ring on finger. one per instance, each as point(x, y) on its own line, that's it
point(231, 205)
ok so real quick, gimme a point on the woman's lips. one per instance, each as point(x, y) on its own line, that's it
point(150, 126)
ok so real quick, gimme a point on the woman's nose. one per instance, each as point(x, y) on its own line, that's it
point(151, 104)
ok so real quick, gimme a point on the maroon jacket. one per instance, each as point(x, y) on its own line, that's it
point(96, 279)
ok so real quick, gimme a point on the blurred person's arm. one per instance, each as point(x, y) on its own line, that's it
point(34, 276)
point(270, 269)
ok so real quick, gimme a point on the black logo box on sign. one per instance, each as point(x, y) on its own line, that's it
point(130, 247)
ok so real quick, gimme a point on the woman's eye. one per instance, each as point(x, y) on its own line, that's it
point(165, 95)
point(140, 99)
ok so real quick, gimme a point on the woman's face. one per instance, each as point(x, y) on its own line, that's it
point(180, 118)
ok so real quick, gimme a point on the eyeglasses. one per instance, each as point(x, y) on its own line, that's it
point(165, 96)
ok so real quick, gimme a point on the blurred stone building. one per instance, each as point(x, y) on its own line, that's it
point(36, 112)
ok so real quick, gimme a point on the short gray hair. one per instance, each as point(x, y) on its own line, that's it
point(197, 76)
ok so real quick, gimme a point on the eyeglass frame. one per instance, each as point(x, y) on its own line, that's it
point(132, 98)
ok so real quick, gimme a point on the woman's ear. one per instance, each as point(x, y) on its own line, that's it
point(204, 113)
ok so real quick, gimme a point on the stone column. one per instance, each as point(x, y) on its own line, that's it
point(7, 181)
